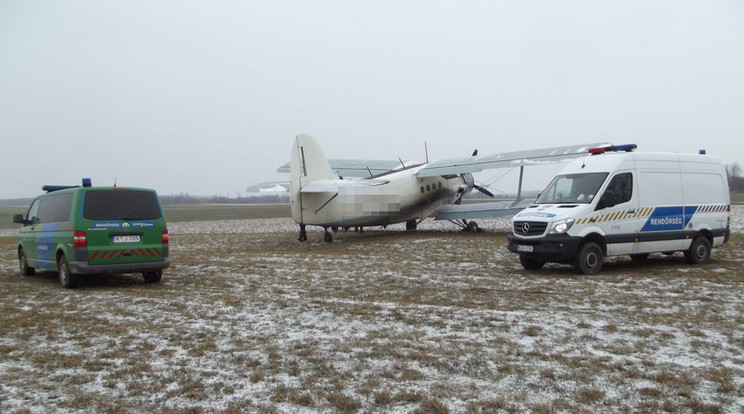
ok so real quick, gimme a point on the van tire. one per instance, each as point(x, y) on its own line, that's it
point(152, 276)
point(529, 263)
point(66, 278)
point(26, 270)
point(699, 252)
point(639, 257)
point(589, 259)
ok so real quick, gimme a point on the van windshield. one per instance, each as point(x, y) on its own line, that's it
point(572, 188)
point(121, 205)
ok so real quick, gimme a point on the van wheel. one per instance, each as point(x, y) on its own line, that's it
point(589, 259)
point(699, 252)
point(26, 270)
point(66, 278)
point(153, 276)
point(531, 264)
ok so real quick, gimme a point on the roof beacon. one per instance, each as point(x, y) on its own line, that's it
point(613, 148)
point(52, 188)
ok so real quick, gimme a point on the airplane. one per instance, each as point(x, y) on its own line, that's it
point(348, 194)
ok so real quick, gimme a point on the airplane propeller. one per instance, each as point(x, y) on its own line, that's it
point(476, 186)
point(483, 190)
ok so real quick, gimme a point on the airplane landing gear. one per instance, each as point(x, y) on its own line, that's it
point(411, 225)
point(472, 227)
point(327, 237)
point(303, 233)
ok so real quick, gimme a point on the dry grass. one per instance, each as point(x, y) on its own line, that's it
point(431, 322)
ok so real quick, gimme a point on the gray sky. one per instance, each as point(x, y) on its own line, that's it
point(204, 97)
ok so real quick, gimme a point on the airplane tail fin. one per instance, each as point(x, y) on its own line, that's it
point(308, 164)
point(308, 161)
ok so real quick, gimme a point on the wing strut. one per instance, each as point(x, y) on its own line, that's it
point(519, 189)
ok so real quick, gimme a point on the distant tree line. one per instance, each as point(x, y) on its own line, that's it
point(259, 198)
point(736, 181)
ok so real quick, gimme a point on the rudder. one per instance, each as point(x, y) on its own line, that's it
point(308, 164)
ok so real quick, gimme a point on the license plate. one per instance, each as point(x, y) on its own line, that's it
point(523, 248)
point(125, 239)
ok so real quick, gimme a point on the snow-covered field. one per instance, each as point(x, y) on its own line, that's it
point(250, 320)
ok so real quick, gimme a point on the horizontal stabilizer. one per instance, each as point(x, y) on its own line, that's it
point(505, 160)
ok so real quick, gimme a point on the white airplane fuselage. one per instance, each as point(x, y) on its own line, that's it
point(392, 198)
point(319, 197)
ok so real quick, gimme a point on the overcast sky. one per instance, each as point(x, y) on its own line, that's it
point(205, 97)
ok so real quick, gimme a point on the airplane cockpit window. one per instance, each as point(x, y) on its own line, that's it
point(572, 188)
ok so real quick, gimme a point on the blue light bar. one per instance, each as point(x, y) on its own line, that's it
point(50, 188)
point(614, 148)
point(87, 182)
point(625, 147)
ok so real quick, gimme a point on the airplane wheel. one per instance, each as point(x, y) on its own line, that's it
point(327, 237)
point(473, 227)
point(411, 225)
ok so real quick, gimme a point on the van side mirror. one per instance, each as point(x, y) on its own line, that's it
point(607, 201)
point(18, 218)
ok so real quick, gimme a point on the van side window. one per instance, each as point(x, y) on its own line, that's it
point(55, 208)
point(621, 187)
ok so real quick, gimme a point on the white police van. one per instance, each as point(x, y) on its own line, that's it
point(618, 202)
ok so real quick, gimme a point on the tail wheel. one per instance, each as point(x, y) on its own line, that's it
point(589, 259)
point(699, 252)
point(66, 278)
point(26, 270)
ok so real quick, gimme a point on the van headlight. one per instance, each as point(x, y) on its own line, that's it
point(561, 226)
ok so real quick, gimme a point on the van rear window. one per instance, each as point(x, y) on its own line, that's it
point(121, 205)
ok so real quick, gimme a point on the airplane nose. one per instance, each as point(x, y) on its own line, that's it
point(469, 181)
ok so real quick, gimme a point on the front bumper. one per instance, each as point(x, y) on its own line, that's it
point(550, 248)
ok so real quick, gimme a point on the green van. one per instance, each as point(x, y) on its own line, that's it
point(85, 229)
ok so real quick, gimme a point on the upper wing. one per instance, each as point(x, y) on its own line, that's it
point(356, 168)
point(505, 159)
